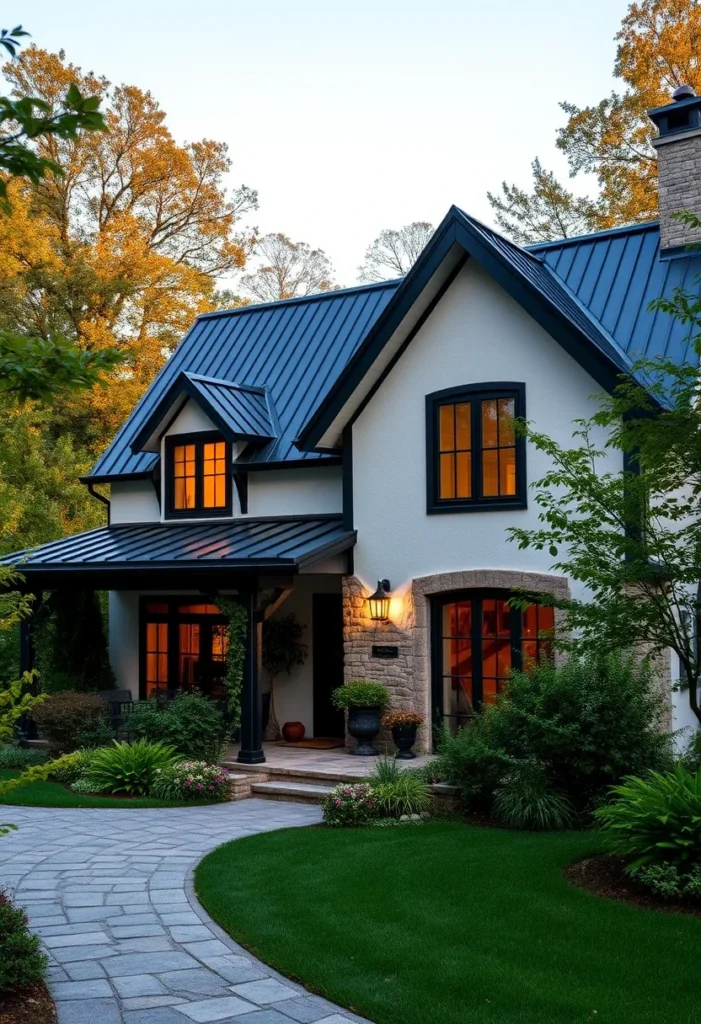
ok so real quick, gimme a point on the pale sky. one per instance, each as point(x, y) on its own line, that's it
point(351, 117)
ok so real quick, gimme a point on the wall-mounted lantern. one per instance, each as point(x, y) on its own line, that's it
point(378, 602)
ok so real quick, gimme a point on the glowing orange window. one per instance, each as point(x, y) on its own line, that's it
point(214, 475)
point(498, 448)
point(184, 477)
point(455, 450)
point(156, 657)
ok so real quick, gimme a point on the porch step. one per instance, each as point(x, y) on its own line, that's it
point(299, 776)
point(296, 792)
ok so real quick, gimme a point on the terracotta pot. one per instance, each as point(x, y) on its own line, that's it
point(293, 732)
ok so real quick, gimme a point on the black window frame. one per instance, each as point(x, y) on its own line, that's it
point(475, 595)
point(475, 394)
point(199, 439)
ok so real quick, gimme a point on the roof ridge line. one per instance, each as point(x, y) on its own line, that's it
point(605, 232)
point(255, 307)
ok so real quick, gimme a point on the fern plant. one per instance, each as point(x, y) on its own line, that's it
point(129, 768)
point(655, 819)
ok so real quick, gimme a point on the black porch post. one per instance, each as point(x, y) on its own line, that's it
point(251, 751)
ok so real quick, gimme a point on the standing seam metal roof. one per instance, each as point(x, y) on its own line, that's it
point(295, 349)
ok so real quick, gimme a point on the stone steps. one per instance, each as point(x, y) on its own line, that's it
point(292, 791)
point(300, 776)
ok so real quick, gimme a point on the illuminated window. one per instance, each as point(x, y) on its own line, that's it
point(475, 457)
point(199, 479)
point(156, 657)
point(478, 640)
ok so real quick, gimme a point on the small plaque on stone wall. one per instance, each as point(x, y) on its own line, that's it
point(384, 651)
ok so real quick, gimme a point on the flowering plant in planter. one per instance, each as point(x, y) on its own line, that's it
point(392, 719)
point(192, 780)
point(361, 693)
point(350, 805)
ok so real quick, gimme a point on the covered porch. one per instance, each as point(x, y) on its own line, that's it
point(167, 634)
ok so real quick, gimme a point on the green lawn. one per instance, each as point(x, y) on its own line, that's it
point(52, 794)
point(446, 923)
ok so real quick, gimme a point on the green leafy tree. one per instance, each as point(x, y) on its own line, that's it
point(73, 645)
point(631, 536)
point(282, 651)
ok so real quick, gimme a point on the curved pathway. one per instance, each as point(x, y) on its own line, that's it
point(110, 893)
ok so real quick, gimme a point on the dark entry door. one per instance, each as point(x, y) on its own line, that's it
point(327, 654)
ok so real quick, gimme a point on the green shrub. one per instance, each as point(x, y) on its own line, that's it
point(14, 758)
point(590, 723)
point(128, 768)
point(397, 791)
point(97, 733)
point(70, 768)
point(191, 723)
point(472, 761)
point(527, 801)
point(191, 780)
point(361, 693)
point(22, 962)
point(350, 805)
point(655, 819)
point(667, 881)
point(85, 786)
point(63, 718)
point(691, 758)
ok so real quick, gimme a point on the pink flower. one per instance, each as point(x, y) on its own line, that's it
point(187, 782)
point(200, 786)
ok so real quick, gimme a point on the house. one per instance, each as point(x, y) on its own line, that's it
point(301, 450)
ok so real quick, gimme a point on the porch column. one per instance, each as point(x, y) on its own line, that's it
point(251, 751)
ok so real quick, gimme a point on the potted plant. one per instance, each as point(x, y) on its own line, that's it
point(403, 725)
point(364, 701)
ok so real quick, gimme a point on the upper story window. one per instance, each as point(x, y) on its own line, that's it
point(198, 481)
point(475, 460)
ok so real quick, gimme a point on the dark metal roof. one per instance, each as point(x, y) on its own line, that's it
point(286, 543)
point(615, 275)
point(240, 411)
point(524, 276)
point(295, 349)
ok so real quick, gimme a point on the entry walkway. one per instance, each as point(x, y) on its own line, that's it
point(110, 893)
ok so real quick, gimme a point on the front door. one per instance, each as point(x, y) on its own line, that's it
point(327, 659)
point(184, 644)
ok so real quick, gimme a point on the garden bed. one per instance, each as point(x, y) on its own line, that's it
point(33, 1005)
point(54, 794)
point(604, 876)
point(448, 922)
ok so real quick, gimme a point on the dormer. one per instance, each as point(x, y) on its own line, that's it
point(199, 428)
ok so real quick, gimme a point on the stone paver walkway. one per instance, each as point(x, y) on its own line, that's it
point(110, 893)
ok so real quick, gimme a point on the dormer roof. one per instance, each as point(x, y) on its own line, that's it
point(240, 411)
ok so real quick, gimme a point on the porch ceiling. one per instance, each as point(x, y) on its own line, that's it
point(138, 553)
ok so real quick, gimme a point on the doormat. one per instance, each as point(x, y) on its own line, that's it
point(315, 744)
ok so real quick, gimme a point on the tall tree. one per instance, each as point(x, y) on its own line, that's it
point(41, 367)
point(286, 269)
point(394, 252)
point(633, 537)
point(122, 247)
point(659, 48)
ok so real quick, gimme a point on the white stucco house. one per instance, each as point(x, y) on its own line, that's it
point(305, 449)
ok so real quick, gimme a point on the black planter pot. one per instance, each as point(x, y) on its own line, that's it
point(364, 725)
point(404, 737)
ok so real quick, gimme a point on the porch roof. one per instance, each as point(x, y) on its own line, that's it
point(242, 546)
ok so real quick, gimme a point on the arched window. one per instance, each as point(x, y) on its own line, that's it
point(477, 639)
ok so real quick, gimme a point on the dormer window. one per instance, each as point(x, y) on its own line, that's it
point(199, 476)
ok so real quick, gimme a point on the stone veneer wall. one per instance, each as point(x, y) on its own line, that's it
point(678, 164)
point(408, 677)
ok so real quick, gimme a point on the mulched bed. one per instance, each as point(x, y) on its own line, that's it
point(604, 876)
point(33, 1005)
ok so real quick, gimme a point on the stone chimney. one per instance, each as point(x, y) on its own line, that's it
point(678, 146)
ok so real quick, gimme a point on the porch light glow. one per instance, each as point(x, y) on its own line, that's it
point(378, 602)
